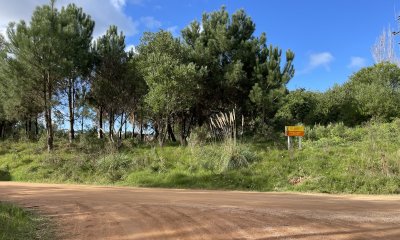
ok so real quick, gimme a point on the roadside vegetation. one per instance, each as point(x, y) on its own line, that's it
point(203, 110)
point(334, 159)
point(17, 223)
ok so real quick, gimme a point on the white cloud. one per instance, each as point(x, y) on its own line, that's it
point(321, 59)
point(173, 30)
point(357, 62)
point(106, 13)
point(150, 22)
point(137, 2)
point(316, 60)
point(130, 47)
point(118, 4)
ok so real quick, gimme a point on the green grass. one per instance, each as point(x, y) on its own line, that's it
point(17, 223)
point(334, 159)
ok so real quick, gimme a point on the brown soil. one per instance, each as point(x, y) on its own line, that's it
point(93, 212)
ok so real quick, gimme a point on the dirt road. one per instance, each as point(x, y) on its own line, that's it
point(90, 212)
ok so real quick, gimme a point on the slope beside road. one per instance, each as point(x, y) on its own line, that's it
point(95, 212)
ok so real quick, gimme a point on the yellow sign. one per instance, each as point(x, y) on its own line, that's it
point(294, 131)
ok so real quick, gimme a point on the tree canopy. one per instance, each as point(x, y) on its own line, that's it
point(51, 66)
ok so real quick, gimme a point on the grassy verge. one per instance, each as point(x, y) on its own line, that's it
point(334, 159)
point(17, 223)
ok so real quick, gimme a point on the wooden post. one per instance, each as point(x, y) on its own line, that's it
point(288, 143)
point(300, 142)
point(290, 147)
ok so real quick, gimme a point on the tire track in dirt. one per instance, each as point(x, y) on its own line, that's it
point(91, 213)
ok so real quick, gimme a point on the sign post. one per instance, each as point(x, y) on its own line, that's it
point(294, 131)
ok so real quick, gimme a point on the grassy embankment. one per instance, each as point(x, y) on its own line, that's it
point(334, 159)
point(17, 223)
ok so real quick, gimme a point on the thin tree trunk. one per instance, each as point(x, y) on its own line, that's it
point(156, 130)
point(170, 131)
point(183, 131)
point(26, 128)
point(141, 131)
point(121, 122)
point(111, 127)
point(30, 128)
point(133, 130)
point(126, 128)
point(100, 132)
point(132, 120)
point(36, 127)
point(82, 120)
point(2, 129)
point(141, 126)
point(49, 125)
point(71, 91)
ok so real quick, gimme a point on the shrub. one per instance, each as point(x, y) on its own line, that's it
point(5, 174)
point(199, 136)
point(222, 157)
point(114, 166)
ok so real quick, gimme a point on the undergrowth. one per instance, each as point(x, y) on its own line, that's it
point(334, 159)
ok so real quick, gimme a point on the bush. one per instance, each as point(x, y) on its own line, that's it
point(222, 157)
point(114, 166)
point(199, 136)
point(5, 174)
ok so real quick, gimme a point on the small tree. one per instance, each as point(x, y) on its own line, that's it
point(171, 80)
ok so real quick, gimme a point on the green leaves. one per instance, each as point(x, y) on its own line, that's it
point(171, 79)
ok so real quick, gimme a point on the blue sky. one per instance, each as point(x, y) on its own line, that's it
point(331, 39)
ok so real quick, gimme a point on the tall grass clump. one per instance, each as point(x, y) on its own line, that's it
point(224, 153)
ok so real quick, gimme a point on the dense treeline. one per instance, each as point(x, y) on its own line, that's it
point(371, 93)
point(52, 69)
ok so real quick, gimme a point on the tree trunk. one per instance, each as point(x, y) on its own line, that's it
point(82, 120)
point(47, 94)
point(71, 94)
point(2, 124)
point(141, 131)
point(171, 134)
point(133, 131)
point(141, 126)
point(26, 128)
point(183, 134)
point(126, 128)
point(100, 123)
point(30, 128)
point(111, 127)
point(163, 133)
point(156, 130)
point(132, 120)
point(36, 128)
point(47, 103)
point(121, 122)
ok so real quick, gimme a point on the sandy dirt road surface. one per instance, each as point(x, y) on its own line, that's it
point(93, 212)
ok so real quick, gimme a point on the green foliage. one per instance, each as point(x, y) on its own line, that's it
point(242, 71)
point(376, 91)
point(335, 159)
point(298, 106)
point(110, 64)
point(371, 93)
point(5, 174)
point(219, 158)
point(168, 74)
point(114, 166)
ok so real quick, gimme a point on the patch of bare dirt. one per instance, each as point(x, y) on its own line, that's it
point(92, 212)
